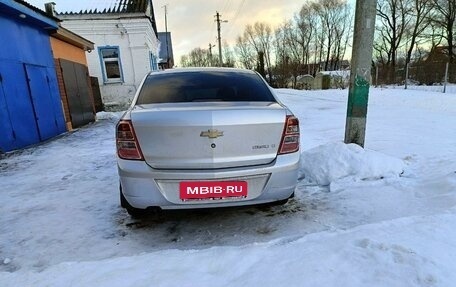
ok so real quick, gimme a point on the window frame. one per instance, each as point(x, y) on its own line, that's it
point(103, 61)
point(153, 62)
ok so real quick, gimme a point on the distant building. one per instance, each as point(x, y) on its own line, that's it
point(315, 68)
point(440, 54)
point(166, 60)
point(30, 103)
point(126, 46)
point(433, 69)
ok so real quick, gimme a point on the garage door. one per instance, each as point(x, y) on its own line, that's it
point(78, 92)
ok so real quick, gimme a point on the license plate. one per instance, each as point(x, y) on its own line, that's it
point(212, 189)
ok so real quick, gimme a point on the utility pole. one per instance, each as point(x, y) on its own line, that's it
point(166, 35)
point(358, 93)
point(218, 20)
point(210, 53)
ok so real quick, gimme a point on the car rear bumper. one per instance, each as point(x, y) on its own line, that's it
point(143, 186)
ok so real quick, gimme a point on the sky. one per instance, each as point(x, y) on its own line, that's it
point(354, 221)
point(191, 22)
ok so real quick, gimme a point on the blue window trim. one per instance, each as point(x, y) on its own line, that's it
point(103, 68)
point(153, 62)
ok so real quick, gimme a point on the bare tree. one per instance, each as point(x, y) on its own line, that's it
point(281, 55)
point(287, 55)
point(260, 37)
point(419, 15)
point(184, 61)
point(287, 41)
point(246, 53)
point(335, 22)
point(343, 33)
point(292, 45)
point(228, 55)
point(394, 20)
point(435, 32)
point(306, 22)
point(445, 18)
point(196, 58)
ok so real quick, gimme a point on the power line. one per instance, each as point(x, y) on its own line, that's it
point(239, 9)
point(227, 5)
point(214, 31)
point(236, 15)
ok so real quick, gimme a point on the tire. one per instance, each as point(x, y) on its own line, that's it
point(283, 201)
point(132, 211)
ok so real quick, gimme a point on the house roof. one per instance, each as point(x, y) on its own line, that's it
point(73, 39)
point(123, 6)
point(37, 10)
point(443, 50)
point(121, 9)
point(27, 13)
point(440, 54)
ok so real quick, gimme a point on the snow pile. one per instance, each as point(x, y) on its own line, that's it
point(112, 116)
point(334, 161)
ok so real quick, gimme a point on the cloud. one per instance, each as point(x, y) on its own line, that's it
point(191, 22)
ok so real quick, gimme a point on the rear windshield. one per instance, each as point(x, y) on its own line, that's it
point(205, 86)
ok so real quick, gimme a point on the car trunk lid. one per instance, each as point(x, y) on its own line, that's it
point(209, 135)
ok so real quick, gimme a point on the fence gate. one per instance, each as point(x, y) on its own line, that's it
point(78, 92)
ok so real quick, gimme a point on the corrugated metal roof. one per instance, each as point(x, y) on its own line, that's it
point(124, 6)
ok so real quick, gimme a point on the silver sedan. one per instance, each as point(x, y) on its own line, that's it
point(206, 137)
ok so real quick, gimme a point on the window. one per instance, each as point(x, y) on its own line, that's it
point(203, 86)
point(110, 64)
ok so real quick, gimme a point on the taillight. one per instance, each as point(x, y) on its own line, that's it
point(290, 136)
point(127, 143)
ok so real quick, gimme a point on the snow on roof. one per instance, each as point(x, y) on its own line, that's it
point(339, 73)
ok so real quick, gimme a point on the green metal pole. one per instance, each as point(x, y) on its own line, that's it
point(360, 76)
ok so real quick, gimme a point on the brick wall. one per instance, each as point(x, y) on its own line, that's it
point(63, 95)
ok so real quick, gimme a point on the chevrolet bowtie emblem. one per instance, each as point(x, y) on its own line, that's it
point(212, 134)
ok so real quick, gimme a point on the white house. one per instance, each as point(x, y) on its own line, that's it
point(126, 46)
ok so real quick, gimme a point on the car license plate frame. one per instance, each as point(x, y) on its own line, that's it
point(206, 190)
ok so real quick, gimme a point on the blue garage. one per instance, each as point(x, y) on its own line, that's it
point(30, 105)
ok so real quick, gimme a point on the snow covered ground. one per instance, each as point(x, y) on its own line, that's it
point(383, 216)
point(450, 88)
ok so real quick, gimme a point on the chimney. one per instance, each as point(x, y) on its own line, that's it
point(50, 8)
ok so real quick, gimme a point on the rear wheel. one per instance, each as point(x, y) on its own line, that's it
point(281, 202)
point(133, 211)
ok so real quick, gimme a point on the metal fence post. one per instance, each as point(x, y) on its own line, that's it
point(406, 74)
point(376, 75)
point(446, 77)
